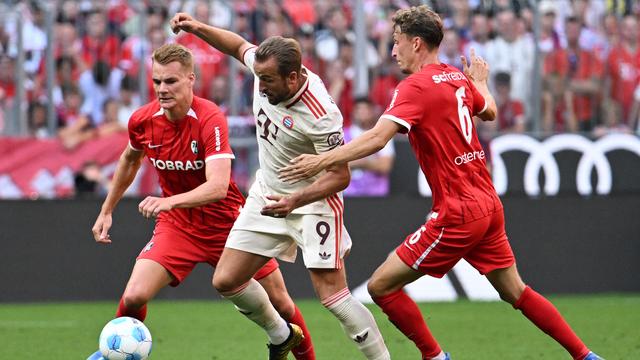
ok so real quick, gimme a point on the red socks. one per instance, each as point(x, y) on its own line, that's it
point(545, 316)
point(304, 351)
point(139, 314)
point(404, 313)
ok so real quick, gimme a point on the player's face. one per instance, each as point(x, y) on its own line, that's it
point(274, 86)
point(173, 85)
point(402, 50)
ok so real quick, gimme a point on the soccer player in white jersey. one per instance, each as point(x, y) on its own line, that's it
point(294, 115)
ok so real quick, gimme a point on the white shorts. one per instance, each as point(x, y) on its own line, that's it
point(323, 239)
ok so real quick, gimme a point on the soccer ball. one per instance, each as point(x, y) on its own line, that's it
point(125, 338)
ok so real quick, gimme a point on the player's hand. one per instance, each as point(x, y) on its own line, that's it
point(302, 167)
point(282, 206)
point(151, 206)
point(101, 229)
point(477, 70)
point(184, 22)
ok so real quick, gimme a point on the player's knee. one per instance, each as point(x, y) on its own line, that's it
point(376, 288)
point(134, 299)
point(224, 284)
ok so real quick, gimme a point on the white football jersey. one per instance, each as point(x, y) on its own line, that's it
point(308, 123)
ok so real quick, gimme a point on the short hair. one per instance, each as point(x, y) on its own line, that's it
point(169, 53)
point(420, 21)
point(502, 78)
point(286, 52)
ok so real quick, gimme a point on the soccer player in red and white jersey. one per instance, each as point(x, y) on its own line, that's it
point(294, 115)
point(186, 139)
point(435, 106)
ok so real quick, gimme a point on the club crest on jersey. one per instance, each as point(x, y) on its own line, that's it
point(287, 121)
point(334, 139)
point(194, 147)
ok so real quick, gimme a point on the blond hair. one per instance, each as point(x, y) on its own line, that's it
point(169, 53)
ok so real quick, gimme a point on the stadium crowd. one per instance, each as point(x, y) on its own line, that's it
point(589, 63)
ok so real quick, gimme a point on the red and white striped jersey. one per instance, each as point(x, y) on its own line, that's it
point(307, 123)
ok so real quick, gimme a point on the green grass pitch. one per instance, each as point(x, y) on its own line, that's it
point(200, 330)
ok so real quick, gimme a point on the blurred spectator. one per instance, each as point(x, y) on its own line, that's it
point(369, 175)
point(549, 39)
point(90, 182)
point(110, 124)
point(384, 85)
point(75, 127)
point(209, 61)
point(579, 74)
point(339, 77)
point(37, 118)
point(99, 44)
point(34, 39)
point(97, 85)
point(65, 75)
point(7, 81)
point(511, 117)
point(623, 70)
point(336, 32)
point(512, 53)
point(129, 100)
point(479, 35)
point(307, 46)
point(450, 49)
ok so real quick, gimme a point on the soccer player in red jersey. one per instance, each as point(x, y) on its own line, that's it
point(435, 106)
point(186, 139)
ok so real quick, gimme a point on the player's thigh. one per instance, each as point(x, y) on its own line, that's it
point(434, 250)
point(147, 279)
point(177, 251)
point(235, 268)
point(264, 235)
point(492, 251)
point(327, 282)
point(392, 275)
point(323, 239)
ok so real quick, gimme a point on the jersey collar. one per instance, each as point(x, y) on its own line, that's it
point(191, 113)
point(295, 98)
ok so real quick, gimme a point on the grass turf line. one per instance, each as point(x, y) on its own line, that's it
point(215, 331)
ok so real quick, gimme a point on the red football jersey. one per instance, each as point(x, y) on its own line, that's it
point(435, 106)
point(178, 151)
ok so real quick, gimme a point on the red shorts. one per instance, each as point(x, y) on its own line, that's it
point(179, 252)
point(435, 250)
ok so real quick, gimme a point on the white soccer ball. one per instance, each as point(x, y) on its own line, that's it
point(125, 338)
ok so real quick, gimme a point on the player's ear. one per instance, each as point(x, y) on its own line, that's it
point(417, 41)
point(292, 78)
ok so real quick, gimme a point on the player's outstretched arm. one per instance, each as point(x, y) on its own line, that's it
point(370, 142)
point(126, 171)
point(218, 173)
point(478, 72)
point(226, 41)
point(335, 179)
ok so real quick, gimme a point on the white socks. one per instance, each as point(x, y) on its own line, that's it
point(441, 356)
point(253, 302)
point(358, 323)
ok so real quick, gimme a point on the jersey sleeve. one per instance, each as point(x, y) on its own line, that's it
point(249, 58)
point(326, 132)
point(405, 107)
point(215, 135)
point(479, 103)
point(136, 133)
